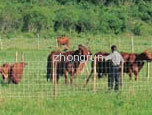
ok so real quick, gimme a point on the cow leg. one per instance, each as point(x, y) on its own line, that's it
point(136, 71)
point(67, 45)
point(72, 76)
point(57, 79)
point(136, 75)
point(89, 78)
point(130, 74)
point(49, 77)
point(66, 77)
point(9, 80)
point(71, 79)
point(5, 80)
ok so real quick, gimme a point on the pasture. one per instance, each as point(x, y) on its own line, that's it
point(34, 94)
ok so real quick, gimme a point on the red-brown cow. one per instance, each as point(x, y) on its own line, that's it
point(132, 65)
point(13, 72)
point(63, 41)
point(135, 62)
point(68, 63)
point(4, 70)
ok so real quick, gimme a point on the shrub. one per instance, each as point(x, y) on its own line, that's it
point(145, 12)
point(112, 21)
point(136, 30)
point(10, 17)
point(37, 18)
point(80, 20)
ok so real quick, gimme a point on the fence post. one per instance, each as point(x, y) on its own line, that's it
point(110, 42)
point(122, 75)
point(94, 76)
point(151, 43)
point(16, 55)
point(87, 69)
point(132, 44)
point(57, 42)
point(22, 57)
point(1, 47)
point(119, 43)
point(38, 43)
point(54, 80)
point(148, 71)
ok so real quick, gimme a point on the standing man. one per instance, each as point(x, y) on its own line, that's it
point(114, 73)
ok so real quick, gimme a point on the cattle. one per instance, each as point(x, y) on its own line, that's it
point(63, 41)
point(13, 72)
point(68, 63)
point(133, 63)
point(4, 70)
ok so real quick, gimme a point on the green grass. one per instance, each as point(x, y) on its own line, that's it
point(81, 104)
point(34, 95)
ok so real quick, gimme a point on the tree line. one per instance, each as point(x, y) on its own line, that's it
point(80, 16)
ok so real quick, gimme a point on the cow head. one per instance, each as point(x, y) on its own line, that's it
point(84, 51)
point(23, 64)
point(4, 70)
point(147, 55)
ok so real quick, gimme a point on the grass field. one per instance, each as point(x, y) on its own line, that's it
point(33, 96)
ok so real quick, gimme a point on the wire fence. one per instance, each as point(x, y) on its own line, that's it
point(33, 82)
point(127, 44)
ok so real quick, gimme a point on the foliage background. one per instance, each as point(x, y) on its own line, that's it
point(56, 17)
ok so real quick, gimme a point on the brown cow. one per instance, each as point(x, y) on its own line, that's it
point(68, 63)
point(13, 72)
point(132, 65)
point(63, 41)
point(4, 70)
point(135, 62)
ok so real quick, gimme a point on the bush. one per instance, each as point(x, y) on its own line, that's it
point(10, 17)
point(66, 18)
point(80, 20)
point(136, 30)
point(145, 12)
point(37, 18)
point(142, 11)
point(81, 16)
point(112, 21)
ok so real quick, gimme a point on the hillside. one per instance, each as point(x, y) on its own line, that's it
point(55, 17)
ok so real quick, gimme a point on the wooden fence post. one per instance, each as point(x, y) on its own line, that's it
point(110, 42)
point(38, 43)
point(151, 42)
point(57, 43)
point(54, 80)
point(119, 43)
point(132, 44)
point(87, 68)
point(1, 47)
point(16, 55)
point(94, 77)
point(122, 75)
point(148, 71)
point(22, 57)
